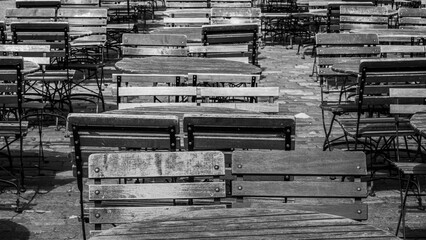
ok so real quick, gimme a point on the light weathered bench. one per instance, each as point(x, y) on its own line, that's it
point(303, 175)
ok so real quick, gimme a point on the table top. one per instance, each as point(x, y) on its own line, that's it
point(418, 121)
point(184, 65)
point(245, 223)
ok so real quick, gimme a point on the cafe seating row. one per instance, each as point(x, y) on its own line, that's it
point(208, 132)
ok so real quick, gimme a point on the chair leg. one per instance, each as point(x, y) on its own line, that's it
point(403, 203)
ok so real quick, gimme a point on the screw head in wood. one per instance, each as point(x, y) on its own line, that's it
point(240, 166)
point(240, 188)
point(97, 215)
point(358, 189)
point(97, 170)
point(217, 189)
point(97, 192)
point(359, 211)
point(216, 167)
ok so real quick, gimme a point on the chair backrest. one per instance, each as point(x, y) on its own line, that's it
point(141, 45)
point(39, 54)
point(334, 47)
point(378, 76)
point(187, 4)
point(34, 33)
point(225, 132)
point(121, 10)
point(94, 133)
point(93, 20)
point(80, 3)
point(11, 85)
point(38, 3)
point(363, 17)
point(245, 98)
point(272, 6)
point(133, 202)
point(235, 15)
point(310, 170)
point(187, 18)
point(333, 13)
point(412, 18)
point(226, 34)
point(14, 15)
point(230, 3)
point(408, 100)
point(124, 81)
point(222, 79)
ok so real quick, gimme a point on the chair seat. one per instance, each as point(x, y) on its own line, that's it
point(11, 128)
point(376, 127)
point(411, 167)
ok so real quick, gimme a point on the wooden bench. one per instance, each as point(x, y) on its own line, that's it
point(124, 203)
point(363, 17)
point(140, 45)
point(12, 127)
point(228, 41)
point(17, 15)
point(333, 14)
point(304, 175)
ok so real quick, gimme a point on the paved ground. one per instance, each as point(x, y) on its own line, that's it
point(51, 200)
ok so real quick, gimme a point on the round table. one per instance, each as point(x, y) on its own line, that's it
point(184, 65)
point(418, 121)
point(244, 223)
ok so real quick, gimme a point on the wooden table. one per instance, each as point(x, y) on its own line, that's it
point(418, 121)
point(245, 223)
point(184, 65)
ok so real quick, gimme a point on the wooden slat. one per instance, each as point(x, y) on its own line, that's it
point(156, 164)
point(299, 189)
point(363, 10)
point(160, 51)
point(224, 78)
point(253, 107)
point(157, 91)
point(125, 140)
point(351, 211)
point(346, 39)
point(411, 12)
point(236, 12)
point(162, 104)
point(157, 191)
point(116, 120)
point(219, 48)
point(31, 13)
point(406, 108)
point(82, 13)
point(241, 142)
point(411, 167)
point(154, 40)
point(149, 78)
point(407, 93)
point(306, 162)
point(348, 50)
point(134, 214)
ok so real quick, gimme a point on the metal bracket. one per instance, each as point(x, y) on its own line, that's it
point(190, 131)
point(172, 132)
